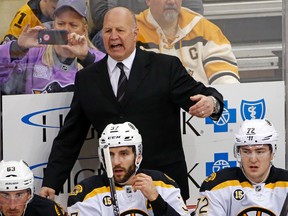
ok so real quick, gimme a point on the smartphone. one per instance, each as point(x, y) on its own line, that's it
point(48, 36)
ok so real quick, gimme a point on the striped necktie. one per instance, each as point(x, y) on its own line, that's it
point(122, 82)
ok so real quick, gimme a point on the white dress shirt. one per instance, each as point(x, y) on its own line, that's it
point(114, 71)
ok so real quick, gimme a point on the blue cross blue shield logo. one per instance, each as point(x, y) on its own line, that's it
point(253, 109)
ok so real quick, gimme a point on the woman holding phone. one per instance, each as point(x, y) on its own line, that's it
point(30, 67)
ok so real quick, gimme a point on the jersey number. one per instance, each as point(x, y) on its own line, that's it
point(202, 204)
point(20, 20)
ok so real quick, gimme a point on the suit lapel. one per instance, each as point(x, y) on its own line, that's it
point(103, 80)
point(138, 72)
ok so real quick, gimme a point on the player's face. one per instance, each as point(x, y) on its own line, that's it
point(119, 33)
point(123, 163)
point(164, 11)
point(256, 161)
point(70, 20)
point(13, 203)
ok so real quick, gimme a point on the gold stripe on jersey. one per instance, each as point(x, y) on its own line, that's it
point(230, 183)
point(100, 190)
point(219, 66)
point(105, 189)
point(162, 184)
point(280, 184)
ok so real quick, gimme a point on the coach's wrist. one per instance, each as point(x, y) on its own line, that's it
point(216, 105)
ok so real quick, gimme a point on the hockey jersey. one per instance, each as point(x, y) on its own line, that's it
point(42, 207)
point(229, 193)
point(31, 14)
point(29, 75)
point(92, 197)
point(201, 46)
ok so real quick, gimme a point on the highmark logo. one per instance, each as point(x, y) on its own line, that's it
point(49, 121)
point(228, 116)
point(220, 162)
point(34, 118)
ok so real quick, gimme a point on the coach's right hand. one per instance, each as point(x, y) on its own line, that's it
point(47, 193)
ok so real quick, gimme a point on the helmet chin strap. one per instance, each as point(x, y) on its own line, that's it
point(137, 165)
point(254, 183)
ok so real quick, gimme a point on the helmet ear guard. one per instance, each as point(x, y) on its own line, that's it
point(120, 135)
point(255, 132)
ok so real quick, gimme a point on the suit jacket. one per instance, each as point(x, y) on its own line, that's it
point(158, 86)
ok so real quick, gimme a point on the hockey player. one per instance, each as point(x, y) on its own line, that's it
point(139, 191)
point(256, 187)
point(17, 196)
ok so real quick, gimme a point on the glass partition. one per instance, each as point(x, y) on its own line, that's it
point(255, 30)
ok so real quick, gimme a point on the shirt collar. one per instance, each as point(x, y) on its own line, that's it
point(127, 62)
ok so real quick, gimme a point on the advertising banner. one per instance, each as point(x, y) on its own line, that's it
point(31, 122)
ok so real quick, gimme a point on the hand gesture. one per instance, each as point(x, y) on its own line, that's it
point(29, 37)
point(203, 108)
point(77, 45)
point(47, 193)
point(145, 184)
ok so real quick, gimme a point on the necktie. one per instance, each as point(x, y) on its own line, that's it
point(122, 82)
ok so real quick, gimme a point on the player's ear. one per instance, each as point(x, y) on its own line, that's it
point(138, 160)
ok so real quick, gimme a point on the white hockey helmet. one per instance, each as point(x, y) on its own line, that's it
point(118, 135)
point(15, 176)
point(256, 132)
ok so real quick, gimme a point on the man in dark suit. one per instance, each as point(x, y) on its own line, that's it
point(158, 86)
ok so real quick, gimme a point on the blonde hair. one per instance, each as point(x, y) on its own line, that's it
point(47, 57)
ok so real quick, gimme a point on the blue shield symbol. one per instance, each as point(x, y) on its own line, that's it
point(253, 109)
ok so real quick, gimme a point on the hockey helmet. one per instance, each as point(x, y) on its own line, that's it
point(255, 132)
point(15, 176)
point(118, 135)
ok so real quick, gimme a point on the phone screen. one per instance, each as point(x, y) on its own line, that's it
point(47, 36)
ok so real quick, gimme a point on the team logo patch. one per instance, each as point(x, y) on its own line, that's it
point(253, 109)
point(256, 211)
point(211, 177)
point(136, 212)
point(77, 189)
point(107, 201)
point(238, 194)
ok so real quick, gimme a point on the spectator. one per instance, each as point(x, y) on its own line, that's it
point(206, 53)
point(98, 9)
point(158, 86)
point(256, 187)
point(139, 191)
point(35, 13)
point(27, 67)
point(17, 196)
